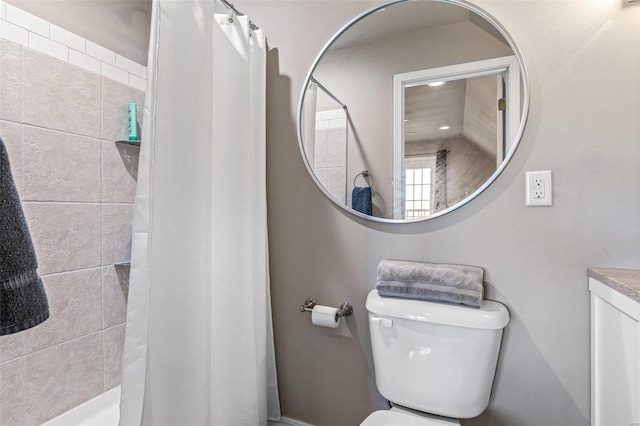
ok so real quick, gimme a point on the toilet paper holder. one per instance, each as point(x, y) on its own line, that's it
point(345, 309)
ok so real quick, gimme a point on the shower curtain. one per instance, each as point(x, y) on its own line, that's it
point(308, 122)
point(199, 345)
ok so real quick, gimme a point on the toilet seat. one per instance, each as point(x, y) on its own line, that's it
point(399, 417)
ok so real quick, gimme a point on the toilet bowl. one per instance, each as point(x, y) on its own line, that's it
point(434, 362)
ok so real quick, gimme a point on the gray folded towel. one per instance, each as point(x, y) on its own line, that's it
point(434, 282)
point(23, 301)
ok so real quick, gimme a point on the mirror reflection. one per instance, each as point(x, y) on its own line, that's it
point(412, 110)
point(453, 126)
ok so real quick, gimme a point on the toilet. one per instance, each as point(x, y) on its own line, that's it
point(434, 362)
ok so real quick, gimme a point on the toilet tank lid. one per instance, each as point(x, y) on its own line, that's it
point(491, 315)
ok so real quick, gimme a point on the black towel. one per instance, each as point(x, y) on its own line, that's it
point(361, 199)
point(23, 301)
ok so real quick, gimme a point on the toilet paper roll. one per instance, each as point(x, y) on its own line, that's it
point(325, 316)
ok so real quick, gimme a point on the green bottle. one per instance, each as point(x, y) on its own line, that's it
point(133, 122)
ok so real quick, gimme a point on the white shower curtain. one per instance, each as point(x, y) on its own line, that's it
point(308, 122)
point(199, 345)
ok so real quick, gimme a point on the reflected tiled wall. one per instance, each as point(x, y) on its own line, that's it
point(330, 153)
point(59, 122)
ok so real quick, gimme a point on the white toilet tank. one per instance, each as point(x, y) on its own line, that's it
point(434, 357)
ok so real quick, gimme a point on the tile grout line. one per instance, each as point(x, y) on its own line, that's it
point(63, 343)
point(23, 368)
point(21, 127)
point(37, 126)
point(102, 236)
point(21, 358)
point(104, 361)
point(53, 274)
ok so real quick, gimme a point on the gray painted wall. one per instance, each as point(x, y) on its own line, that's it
point(584, 61)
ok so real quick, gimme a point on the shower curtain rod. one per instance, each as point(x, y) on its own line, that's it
point(231, 8)
point(325, 90)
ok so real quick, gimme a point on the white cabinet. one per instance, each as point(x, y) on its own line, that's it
point(615, 352)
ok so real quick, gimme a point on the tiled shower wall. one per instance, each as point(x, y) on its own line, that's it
point(330, 154)
point(59, 121)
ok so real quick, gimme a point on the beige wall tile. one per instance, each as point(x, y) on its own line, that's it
point(59, 166)
point(11, 134)
point(10, 347)
point(321, 147)
point(113, 344)
point(337, 148)
point(119, 172)
point(11, 402)
point(75, 301)
point(116, 233)
point(66, 235)
point(60, 96)
point(61, 377)
point(115, 100)
point(10, 81)
point(115, 291)
point(52, 122)
point(337, 182)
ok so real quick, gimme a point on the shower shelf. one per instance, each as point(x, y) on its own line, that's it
point(130, 143)
point(123, 264)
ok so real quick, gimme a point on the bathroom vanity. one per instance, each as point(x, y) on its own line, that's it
point(615, 346)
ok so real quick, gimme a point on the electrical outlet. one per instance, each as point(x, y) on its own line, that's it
point(539, 188)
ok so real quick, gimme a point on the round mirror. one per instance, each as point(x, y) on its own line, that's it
point(412, 109)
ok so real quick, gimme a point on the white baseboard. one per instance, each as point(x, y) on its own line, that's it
point(294, 422)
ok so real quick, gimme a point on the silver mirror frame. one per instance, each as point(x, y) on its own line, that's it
point(523, 120)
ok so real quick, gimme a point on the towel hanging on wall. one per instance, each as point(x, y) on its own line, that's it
point(361, 195)
point(361, 199)
point(23, 301)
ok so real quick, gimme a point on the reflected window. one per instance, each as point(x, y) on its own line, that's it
point(419, 179)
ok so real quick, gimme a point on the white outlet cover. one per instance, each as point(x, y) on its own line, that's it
point(547, 200)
